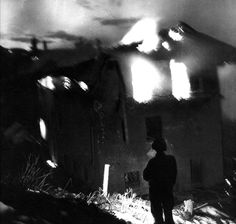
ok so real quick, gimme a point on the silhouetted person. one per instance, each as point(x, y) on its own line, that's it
point(161, 173)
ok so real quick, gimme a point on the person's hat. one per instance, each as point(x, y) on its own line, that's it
point(159, 144)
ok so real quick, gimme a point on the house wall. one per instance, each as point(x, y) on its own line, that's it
point(195, 139)
point(94, 131)
point(73, 138)
point(193, 136)
point(19, 126)
point(227, 80)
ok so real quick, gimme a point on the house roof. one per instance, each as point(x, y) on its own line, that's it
point(196, 49)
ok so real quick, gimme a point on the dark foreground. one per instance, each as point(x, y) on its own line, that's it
point(19, 206)
point(25, 207)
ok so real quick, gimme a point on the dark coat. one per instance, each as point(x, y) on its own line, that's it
point(161, 172)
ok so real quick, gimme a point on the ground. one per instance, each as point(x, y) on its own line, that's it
point(59, 206)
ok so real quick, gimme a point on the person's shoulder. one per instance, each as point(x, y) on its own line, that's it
point(152, 161)
point(170, 157)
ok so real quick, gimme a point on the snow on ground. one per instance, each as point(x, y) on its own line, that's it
point(60, 206)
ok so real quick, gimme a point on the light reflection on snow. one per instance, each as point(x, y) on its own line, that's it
point(228, 182)
point(51, 164)
point(66, 82)
point(213, 211)
point(34, 191)
point(210, 215)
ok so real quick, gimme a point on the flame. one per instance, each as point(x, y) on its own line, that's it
point(180, 80)
point(175, 35)
point(166, 45)
point(145, 79)
point(43, 129)
point(144, 30)
point(47, 82)
point(66, 82)
point(51, 164)
point(83, 85)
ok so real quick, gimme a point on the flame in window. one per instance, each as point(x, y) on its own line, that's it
point(175, 35)
point(43, 129)
point(180, 80)
point(145, 79)
point(47, 82)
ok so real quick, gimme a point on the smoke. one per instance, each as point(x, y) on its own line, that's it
point(144, 31)
point(213, 17)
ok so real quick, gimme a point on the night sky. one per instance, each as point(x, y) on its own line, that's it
point(62, 21)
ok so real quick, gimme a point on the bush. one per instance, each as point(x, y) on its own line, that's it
point(33, 176)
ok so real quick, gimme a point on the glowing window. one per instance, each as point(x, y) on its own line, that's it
point(145, 79)
point(166, 45)
point(180, 81)
point(43, 129)
point(83, 86)
point(47, 82)
point(175, 35)
point(66, 83)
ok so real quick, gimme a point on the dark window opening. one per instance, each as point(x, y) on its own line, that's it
point(196, 84)
point(153, 127)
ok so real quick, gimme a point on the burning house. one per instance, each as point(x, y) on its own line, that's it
point(102, 114)
point(98, 118)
